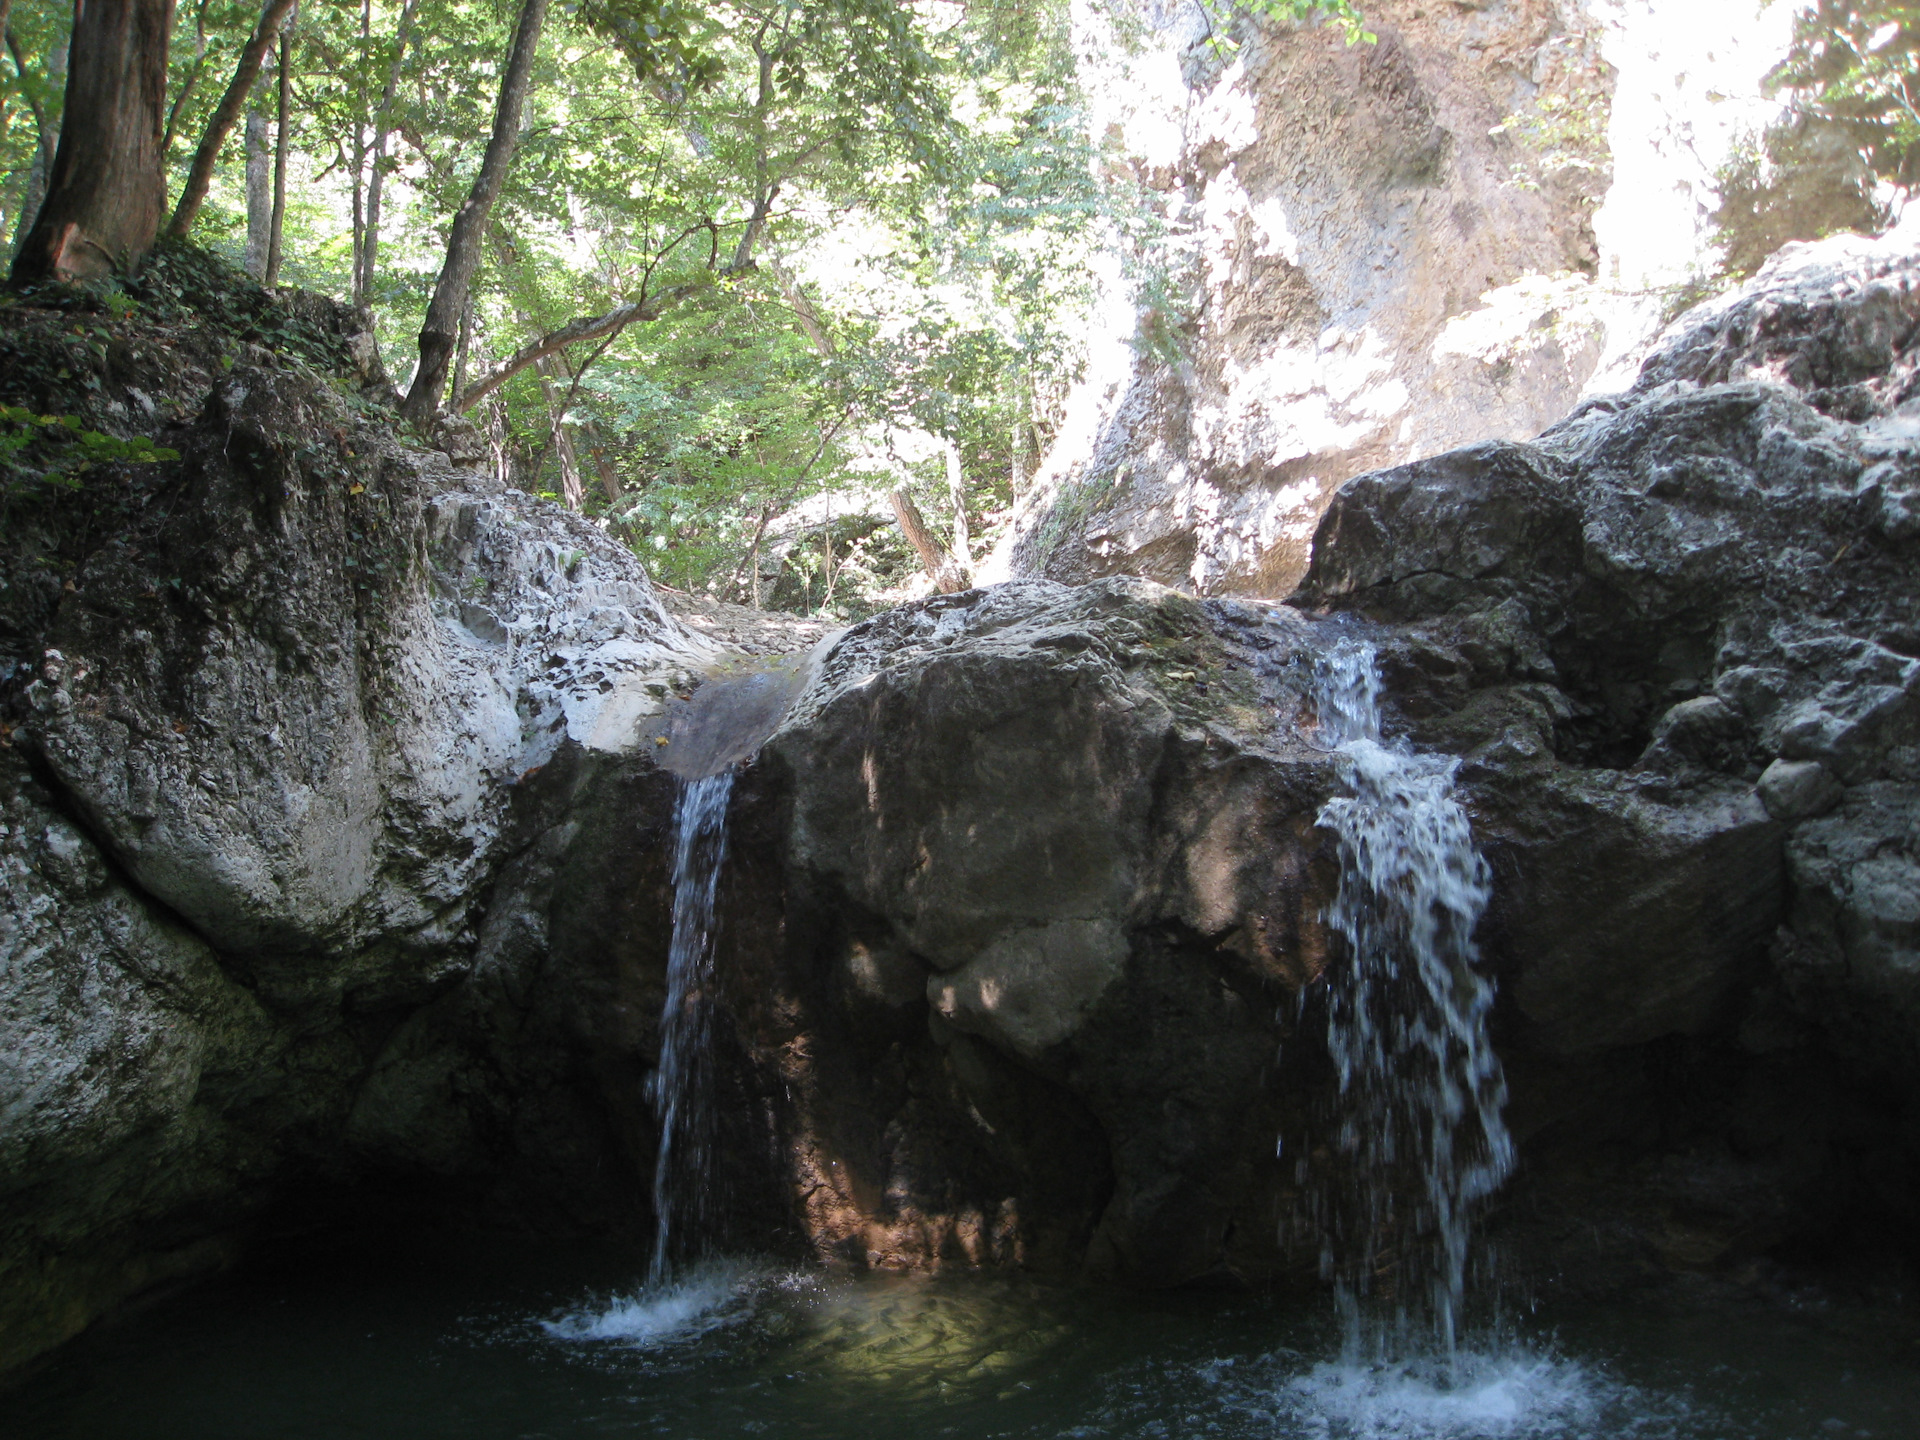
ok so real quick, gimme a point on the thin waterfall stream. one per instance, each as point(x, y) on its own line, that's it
point(683, 1085)
point(1421, 1137)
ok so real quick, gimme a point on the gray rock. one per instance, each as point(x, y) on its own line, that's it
point(287, 716)
point(1851, 958)
point(126, 1046)
point(1798, 789)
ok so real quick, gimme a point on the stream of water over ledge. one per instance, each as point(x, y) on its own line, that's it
point(1419, 1134)
point(513, 1342)
point(683, 1084)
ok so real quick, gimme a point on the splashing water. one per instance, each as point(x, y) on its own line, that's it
point(1502, 1396)
point(1420, 1138)
point(682, 1088)
point(715, 1295)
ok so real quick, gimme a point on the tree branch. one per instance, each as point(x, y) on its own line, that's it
point(592, 327)
point(587, 327)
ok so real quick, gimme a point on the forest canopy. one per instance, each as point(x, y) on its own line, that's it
point(752, 282)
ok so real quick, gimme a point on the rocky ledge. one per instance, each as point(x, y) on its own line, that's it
point(336, 827)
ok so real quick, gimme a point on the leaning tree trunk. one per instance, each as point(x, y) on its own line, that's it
point(941, 569)
point(571, 489)
point(441, 330)
point(957, 493)
point(226, 115)
point(107, 192)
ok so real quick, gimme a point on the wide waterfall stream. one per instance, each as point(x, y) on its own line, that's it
point(392, 1338)
point(1421, 1137)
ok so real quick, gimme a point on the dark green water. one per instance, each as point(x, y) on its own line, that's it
point(534, 1345)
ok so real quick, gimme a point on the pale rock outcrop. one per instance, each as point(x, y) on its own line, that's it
point(1366, 254)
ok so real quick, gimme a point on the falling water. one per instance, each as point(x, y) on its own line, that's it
point(1420, 1136)
point(683, 1091)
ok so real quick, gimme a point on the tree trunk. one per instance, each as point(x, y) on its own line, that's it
point(464, 349)
point(1022, 445)
point(957, 493)
point(46, 135)
point(226, 115)
point(259, 194)
point(571, 490)
point(439, 333)
point(603, 467)
point(370, 246)
point(804, 309)
point(277, 224)
point(191, 85)
point(933, 555)
point(107, 189)
point(356, 187)
point(753, 556)
point(497, 442)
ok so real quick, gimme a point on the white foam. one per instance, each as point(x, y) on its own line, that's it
point(706, 1299)
point(1513, 1394)
point(1509, 1396)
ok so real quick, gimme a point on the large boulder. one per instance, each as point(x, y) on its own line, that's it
point(1069, 853)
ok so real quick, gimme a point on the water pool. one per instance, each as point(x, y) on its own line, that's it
point(539, 1344)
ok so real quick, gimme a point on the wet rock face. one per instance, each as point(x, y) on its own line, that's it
point(1705, 576)
point(270, 714)
point(1090, 970)
point(1673, 642)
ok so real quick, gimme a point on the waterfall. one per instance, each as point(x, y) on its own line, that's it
point(1420, 1137)
point(682, 1087)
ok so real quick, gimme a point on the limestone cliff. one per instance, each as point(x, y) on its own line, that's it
point(1363, 254)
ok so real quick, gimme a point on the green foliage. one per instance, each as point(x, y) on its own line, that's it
point(1078, 498)
point(1851, 130)
point(1856, 66)
point(867, 226)
point(181, 277)
point(1346, 16)
point(56, 450)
